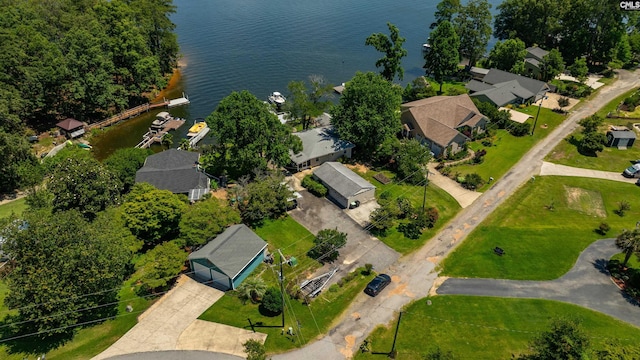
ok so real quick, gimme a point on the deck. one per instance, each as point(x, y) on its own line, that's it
point(152, 137)
point(133, 112)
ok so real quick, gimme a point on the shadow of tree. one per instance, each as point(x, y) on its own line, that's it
point(601, 265)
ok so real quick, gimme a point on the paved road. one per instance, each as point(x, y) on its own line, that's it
point(413, 274)
point(587, 284)
point(563, 170)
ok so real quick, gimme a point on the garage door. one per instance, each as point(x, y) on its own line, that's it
point(201, 272)
point(220, 281)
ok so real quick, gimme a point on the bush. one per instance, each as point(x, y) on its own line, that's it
point(487, 142)
point(314, 186)
point(160, 267)
point(405, 206)
point(427, 218)
point(367, 268)
point(410, 230)
point(272, 300)
point(563, 101)
point(603, 229)
point(334, 288)
point(255, 350)
point(478, 157)
point(472, 181)
point(623, 207)
point(517, 129)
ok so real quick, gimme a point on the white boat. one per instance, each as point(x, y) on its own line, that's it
point(426, 47)
point(197, 132)
point(277, 98)
point(161, 121)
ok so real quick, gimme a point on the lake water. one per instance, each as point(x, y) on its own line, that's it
point(260, 46)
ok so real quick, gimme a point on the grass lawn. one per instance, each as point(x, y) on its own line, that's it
point(634, 260)
point(457, 85)
point(487, 328)
point(506, 150)
point(314, 319)
point(290, 237)
point(542, 244)
point(436, 197)
point(15, 207)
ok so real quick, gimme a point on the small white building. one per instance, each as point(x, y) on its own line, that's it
point(344, 186)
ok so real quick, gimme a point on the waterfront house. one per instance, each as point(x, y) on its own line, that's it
point(319, 145)
point(501, 88)
point(442, 123)
point(533, 60)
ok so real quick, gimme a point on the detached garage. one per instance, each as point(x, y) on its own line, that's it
point(621, 138)
point(344, 185)
point(229, 258)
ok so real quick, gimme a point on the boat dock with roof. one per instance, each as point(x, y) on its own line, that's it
point(160, 127)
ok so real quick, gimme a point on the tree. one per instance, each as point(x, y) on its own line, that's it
point(418, 89)
point(152, 215)
point(629, 243)
point(69, 271)
point(564, 341)
point(159, 267)
point(592, 143)
point(472, 181)
point(266, 198)
point(252, 289)
point(614, 350)
point(305, 104)
point(83, 184)
point(272, 301)
point(473, 26)
point(552, 64)
point(326, 245)
point(368, 112)
point(391, 47)
point(505, 54)
point(591, 124)
point(15, 162)
point(411, 161)
point(438, 354)
point(125, 162)
point(443, 58)
point(579, 69)
point(533, 21)
point(204, 220)
point(445, 10)
point(255, 350)
point(249, 135)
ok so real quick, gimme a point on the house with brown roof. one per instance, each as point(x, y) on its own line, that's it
point(71, 128)
point(443, 123)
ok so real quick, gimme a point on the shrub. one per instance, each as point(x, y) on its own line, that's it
point(255, 350)
point(405, 206)
point(487, 142)
point(272, 300)
point(367, 268)
point(517, 129)
point(478, 157)
point(410, 230)
point(314, 187)
point(623, 207)
point(334, 288)
point(427, 218)
point(446, 170)
point(472, 181)
point(603, 229)
point(563, 101)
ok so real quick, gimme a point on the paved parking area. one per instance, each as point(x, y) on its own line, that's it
point(316, 214)
point(361, 213)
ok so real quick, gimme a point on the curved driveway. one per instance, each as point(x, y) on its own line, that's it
point(587, 284)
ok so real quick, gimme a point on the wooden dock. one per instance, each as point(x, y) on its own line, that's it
point(156, 136)
point(128, 114)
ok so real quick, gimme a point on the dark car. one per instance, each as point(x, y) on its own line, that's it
point(377, 285)
point(354, 204)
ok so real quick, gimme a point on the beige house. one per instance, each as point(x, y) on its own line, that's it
point(443, 123)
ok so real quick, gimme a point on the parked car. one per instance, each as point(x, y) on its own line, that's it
point(354, 204)
point(632, 171)
point(375, 286)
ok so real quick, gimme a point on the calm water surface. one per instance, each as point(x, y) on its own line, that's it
point(260, 46)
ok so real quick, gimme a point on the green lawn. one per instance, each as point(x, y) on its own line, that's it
point(457, 85)
point(542, 244)
point(290, 237)
point(436, 197)
point(506, 150)
point(314, 319)
point(634, 260)
point(14, 207)
point(487, 328)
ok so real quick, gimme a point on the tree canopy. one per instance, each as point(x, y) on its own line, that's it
point(17, 162)
point(505, 54)
point(442, 58)
point(306, 103)
point(204, 220)
point(391, 47)
point(125, 162)
point(249, 135)
point(264, 198)
point(473, 25)
point(326, 245)
point(368, 112)
point(445, 10)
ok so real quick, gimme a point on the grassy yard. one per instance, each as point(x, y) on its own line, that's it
point(456, 85)
point(290, 237)
point(436, 197)
point(314, 319)
point(14, 207)
point(487, 328)
point(543, 228)
point(634, 260)
point(506, 150)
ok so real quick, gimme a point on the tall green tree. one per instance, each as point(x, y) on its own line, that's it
point(391, 47)
point(304, 103)
point(552, 64)
point(445, 11)
point(473, 26)
point(411, 161)
point(326, 245)
point(564, 341)
point(67, 272)
point(159, 267)
point(368, 112)
point(443, 57)
point(204, 220)
point(17, 163)
point(83, 184)
point(629, 243)
point(532, 21)
point(579, 69)
point(249, 135)
point(266, 198)
point(125, 162)
point(506, 54)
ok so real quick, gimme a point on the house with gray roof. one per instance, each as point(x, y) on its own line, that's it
point(319, 145)
point(501, 88)
point(344, 186)
point(229, 258)
point(177, 171)
point(442, 123)
point(533, 60)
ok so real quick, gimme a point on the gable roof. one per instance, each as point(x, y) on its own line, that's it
point(495, 76)
point(69, 124)
point(174, 170)
point(232, 250)
point(505, 93)
point(342, 179)
point(622, 134)
point(438, 117)
point(319, 142)
point(536, 52)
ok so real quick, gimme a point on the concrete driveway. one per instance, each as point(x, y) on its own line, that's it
point(563, 170)
point(463, 196)
point(587, 284)
point(316, 214)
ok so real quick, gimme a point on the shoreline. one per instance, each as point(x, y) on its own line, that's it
point(173, 81)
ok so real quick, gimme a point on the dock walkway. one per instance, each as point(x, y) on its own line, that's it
point(133, 112)
point(156, 136)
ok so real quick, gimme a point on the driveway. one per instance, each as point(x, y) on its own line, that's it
point(563, 170)
point(592, 81)
point(587, 284)
point(316, 214)
point(463, 196)
point(171, 324)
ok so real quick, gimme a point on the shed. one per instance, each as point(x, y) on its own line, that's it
point(621, 138)
point(344, 186)
point(71, 128)
point(229, 258)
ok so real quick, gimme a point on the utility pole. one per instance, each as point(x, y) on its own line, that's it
point(424, 196)
point(536, 120)
point(282, 289)
point(392, 353)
